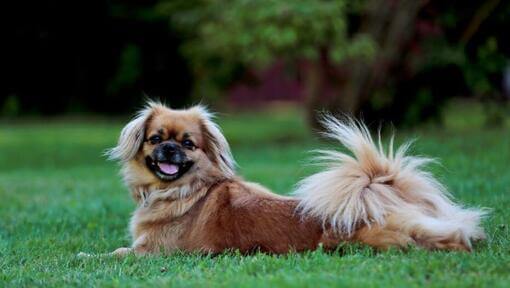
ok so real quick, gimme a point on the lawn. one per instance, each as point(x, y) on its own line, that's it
point(60, 196)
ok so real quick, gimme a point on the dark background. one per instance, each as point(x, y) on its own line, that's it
point(106, 57)
point(67, 56)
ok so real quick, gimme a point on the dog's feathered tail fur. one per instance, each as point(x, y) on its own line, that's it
point(374, 186)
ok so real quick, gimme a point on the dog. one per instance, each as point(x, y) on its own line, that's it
point(179, 169)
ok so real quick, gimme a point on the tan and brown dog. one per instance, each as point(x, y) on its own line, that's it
point(179, 168)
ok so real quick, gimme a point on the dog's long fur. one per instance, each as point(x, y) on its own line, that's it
point(377, 197)
point(388, 189)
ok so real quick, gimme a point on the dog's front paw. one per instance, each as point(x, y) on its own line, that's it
point(123, 251)
point(84, 255)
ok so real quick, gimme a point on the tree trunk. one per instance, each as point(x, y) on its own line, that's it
point(347, 86)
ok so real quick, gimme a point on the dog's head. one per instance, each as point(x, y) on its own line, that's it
point(167, 147)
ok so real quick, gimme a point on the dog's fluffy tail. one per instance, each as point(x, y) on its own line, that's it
point(376, 186)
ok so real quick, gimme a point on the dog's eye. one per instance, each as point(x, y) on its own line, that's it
point(188, 144)
point(156, 139)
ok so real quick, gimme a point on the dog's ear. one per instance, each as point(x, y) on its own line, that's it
point(216, 146)
point(131, 137)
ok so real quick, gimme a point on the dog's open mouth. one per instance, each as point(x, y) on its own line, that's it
point(168, 171)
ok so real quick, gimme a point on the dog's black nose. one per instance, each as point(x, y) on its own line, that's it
point(169, 152)
point(169, 148)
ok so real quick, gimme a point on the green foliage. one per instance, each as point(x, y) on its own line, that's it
point(480, 51)
point(257, 31)
point(64, 197)
point(222, 38)
point(488, 61)
point(477, 69)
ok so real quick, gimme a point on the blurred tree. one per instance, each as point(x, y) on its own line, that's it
point(225, 38)
point(396, 60)
point(474, 39)
point(454, 48)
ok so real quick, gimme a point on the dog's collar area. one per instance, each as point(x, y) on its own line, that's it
point(147, 198)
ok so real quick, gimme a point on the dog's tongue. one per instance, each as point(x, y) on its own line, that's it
point(168, 168)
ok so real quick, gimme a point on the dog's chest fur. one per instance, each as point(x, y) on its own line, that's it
point(159, 222)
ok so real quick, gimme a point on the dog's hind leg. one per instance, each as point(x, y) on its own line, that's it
point(382, 237)
point(434, 233)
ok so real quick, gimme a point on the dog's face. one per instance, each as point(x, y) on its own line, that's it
point(169, 146)
point(173, 143)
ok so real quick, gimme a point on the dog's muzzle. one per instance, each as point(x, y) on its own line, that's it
point(168, 161)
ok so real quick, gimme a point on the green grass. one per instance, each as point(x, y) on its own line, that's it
point(59, 196)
